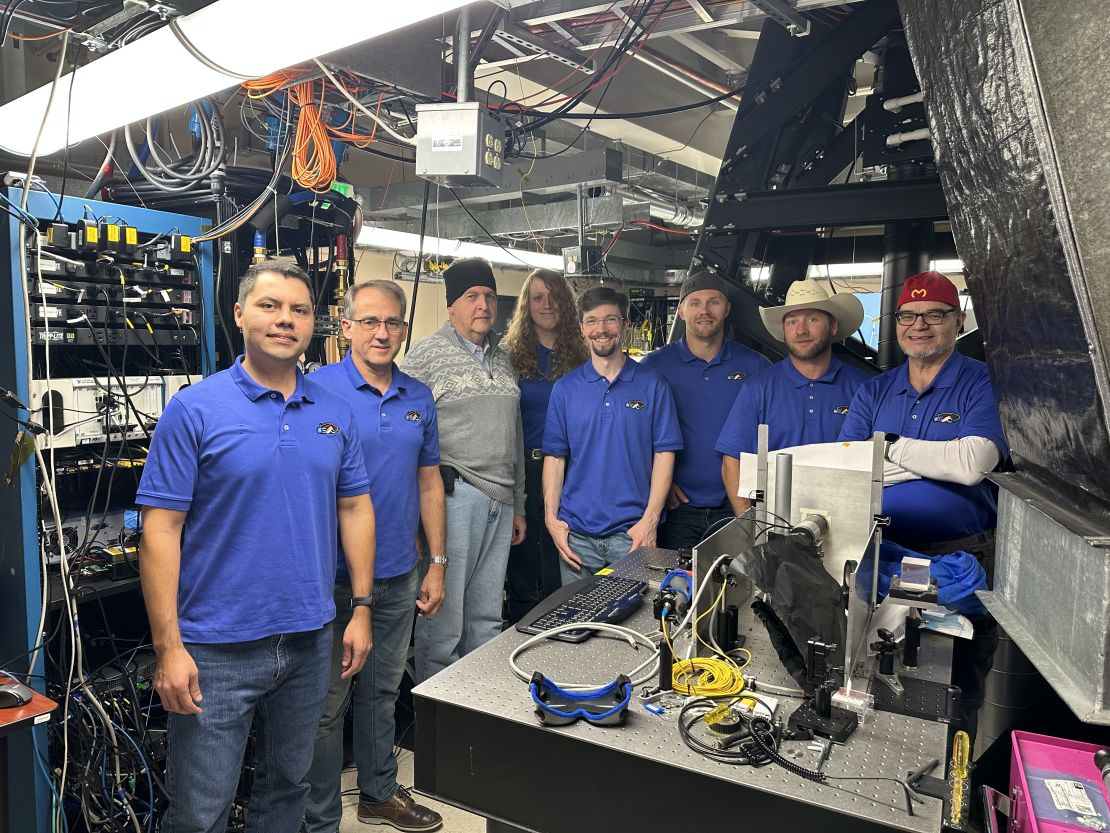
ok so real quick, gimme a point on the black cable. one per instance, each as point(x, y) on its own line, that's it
point(419, 260)
point(82, 52)
point(386, 155)
point(484, 229)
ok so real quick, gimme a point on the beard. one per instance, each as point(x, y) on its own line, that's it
point(605, 352)
point(807, 352)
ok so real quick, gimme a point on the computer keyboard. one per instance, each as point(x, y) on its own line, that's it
point(608, 599)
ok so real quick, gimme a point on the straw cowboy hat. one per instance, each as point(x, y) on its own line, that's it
point(810, 294)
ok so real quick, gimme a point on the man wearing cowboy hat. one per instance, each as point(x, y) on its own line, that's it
point(804, 398)
point(705, 372)
point(943, 433)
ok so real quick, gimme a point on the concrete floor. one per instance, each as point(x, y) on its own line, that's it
point(454, 820)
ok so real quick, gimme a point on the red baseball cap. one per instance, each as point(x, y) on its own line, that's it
point(929, 286)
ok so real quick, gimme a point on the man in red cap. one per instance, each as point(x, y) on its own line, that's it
point(943, 434)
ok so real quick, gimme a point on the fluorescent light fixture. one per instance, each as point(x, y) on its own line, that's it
point(403, 241)
point(157, 73)
point(875, 270)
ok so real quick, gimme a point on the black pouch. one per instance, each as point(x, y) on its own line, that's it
point(448, 474)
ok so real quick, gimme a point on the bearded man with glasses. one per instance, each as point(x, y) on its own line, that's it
point(943, 434)
point(609, 446)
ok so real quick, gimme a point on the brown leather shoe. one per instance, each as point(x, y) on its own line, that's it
point(401, 812)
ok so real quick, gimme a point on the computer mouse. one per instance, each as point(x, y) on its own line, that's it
point(14, 694)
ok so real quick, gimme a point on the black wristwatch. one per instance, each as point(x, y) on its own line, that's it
point(362, 601)
point(889, 439)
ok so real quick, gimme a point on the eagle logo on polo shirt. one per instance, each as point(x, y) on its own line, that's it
point(635, 404)
point(947, 417)
point(737, 375)
point(327, 428)
point(841, 410)
point(413, 416)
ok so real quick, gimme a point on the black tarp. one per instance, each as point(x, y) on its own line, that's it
point(1017, 102)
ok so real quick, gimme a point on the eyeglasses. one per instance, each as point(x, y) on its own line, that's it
point(931, 317)
point(371, 325)
point(608, 321)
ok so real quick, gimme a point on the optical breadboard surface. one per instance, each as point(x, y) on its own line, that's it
point(482, 683)
point(21, 589)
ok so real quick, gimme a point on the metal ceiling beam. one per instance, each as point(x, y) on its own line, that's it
point(541, 176)
point(704, 50)
point(536, 45)
point(630, 132)
point(889, 201)
point(598, 212)
point(732, 13)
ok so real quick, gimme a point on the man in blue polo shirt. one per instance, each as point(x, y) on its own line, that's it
point(804, 398)
point(705, 372)
point(943, 433)
point(396, 418)
point(246, 474)
point(609, 446)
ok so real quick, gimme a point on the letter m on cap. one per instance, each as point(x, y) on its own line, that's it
point(919, 293)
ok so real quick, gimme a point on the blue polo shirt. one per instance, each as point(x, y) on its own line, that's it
point(608, 434)
point(534, 396)
point(796, 410)
point(258, 477)
point(959, 403)
point(399, 434)
point(703, 392)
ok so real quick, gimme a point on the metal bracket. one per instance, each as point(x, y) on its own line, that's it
point(785, 15)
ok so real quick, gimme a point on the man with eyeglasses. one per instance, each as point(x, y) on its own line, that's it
point(609, 445)
point(804, 398)
point(482, 463)
point(396, 419)
point(943, 433)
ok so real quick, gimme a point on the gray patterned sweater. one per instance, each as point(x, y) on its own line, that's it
point(480, 433)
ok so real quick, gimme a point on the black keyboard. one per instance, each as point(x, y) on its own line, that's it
point(610, 599)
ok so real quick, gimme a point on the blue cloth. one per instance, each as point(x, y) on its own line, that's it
point(959, 403)
point(258, 477)
point(609, 434)
point(372, 696)
point(399, 433)
point(278, 684)
point(534, 396)
point(796, 410)
point(958, 576)
point(479, 529)
point(703, 393)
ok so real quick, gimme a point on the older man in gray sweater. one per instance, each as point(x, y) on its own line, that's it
point(482, 460)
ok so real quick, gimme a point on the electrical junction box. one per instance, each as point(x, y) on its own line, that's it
point(459, 145)
point(582, 261)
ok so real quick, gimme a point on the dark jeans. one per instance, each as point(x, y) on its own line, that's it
point(533, 572)
point(686, 525)
point(972, 659)
point(280, 682)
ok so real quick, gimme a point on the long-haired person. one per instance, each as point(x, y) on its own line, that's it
point(544, 343)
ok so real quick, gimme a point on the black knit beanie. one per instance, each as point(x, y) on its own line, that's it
point(465, 273)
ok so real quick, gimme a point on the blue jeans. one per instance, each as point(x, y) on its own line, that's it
point(373, 696)
point(279, 682)
point(595, 553)
point(479, 529)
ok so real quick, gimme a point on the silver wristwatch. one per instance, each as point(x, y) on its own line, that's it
point(439, 559)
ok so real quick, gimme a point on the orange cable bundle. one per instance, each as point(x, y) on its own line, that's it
point(314, 164)
point(270, 84)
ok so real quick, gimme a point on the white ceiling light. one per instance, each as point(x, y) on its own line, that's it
point(403, 241)
point(875, 270)
point(158, 72)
